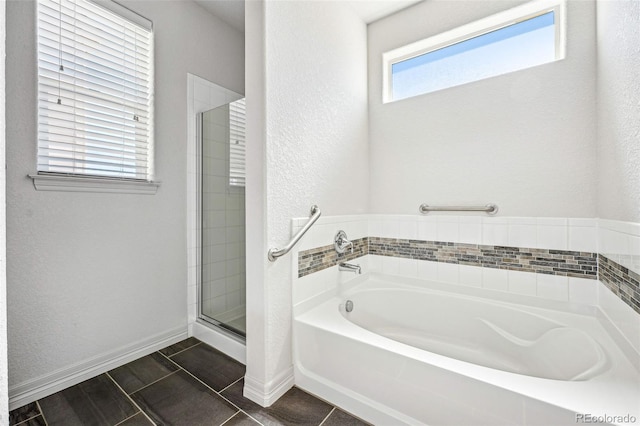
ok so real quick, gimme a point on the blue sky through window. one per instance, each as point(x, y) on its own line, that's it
point(517, 46)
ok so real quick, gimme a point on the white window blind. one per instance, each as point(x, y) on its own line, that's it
point(237, 143)
point(95, 90)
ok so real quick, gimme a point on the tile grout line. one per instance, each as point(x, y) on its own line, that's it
point(227, 421)
point(219, 393)
point(130, 399)
point(179, 352)
point(243, 412)
point(251, 417)
point(228, 386)
point(130, 417)
point(152, 383)
point(27, 419)
point(42, 413)
point(213, 390)
point(328, 415)
point(206, 385)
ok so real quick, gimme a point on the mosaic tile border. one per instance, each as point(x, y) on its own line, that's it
point(319, 258)
point(623, 282)
point(542, 261)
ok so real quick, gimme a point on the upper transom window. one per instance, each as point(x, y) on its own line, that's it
point(519, 38)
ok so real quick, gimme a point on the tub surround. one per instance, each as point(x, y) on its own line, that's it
point(622, 281)
point(567, 266)
point(552, 258)
point(319, 258)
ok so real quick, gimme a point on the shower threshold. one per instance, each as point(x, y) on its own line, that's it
point(235, 327)
point(225, 339)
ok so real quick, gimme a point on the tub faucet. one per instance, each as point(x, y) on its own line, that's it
point(344, 266)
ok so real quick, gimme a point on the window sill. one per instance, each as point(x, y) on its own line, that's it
point(89, 184)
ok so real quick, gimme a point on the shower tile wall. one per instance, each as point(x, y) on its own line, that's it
point(619, 259)
point(223, 253)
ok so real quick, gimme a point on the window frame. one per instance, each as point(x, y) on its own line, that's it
point(471, 30)
point(69, 182)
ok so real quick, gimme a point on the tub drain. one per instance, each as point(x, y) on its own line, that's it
point(348, 306)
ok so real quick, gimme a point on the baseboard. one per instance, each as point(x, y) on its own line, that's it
point(48, 384)
point(226, 344)
point(265, 394)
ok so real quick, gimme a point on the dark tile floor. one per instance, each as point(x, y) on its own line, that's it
point(189, 383)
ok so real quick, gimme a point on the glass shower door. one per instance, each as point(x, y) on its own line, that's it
point(222, 213)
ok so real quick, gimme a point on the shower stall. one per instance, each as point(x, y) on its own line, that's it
point(221, 209)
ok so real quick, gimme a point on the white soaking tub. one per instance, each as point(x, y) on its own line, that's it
point(416, 352)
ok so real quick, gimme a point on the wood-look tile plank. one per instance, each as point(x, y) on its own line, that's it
point(295, 407)
point(23, 413)
point(340, 418)
point(241, 419)
point(211, 366)
point(179, 399)
point(34, 421)
point(96, 401)
point(137, 420)
point(180, 346)
point(142, 372)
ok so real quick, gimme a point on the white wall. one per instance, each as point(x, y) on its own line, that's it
point(313, 90)
point(4, 391)
point(525, 140)
point(93, 274)
point(618, 38)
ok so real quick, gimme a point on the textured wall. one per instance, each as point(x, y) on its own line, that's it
point(257, 307)
point(619, 110)
point(92, 273)
point(315, 148)
point(4, 418)
point(525, 140)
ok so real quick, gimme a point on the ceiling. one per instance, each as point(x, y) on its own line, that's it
point(232, 11)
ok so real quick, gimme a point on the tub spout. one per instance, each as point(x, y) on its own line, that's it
point(343, 266)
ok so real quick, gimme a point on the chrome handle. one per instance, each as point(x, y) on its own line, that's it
point(340, 242)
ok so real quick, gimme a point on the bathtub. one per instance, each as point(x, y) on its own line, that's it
point(415, 352)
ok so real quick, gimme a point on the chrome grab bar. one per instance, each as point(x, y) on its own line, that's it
point(275, 253)
point(489, 209)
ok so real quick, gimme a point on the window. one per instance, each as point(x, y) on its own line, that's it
point(95, 91)
point(519, 38)
point(237, 143)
